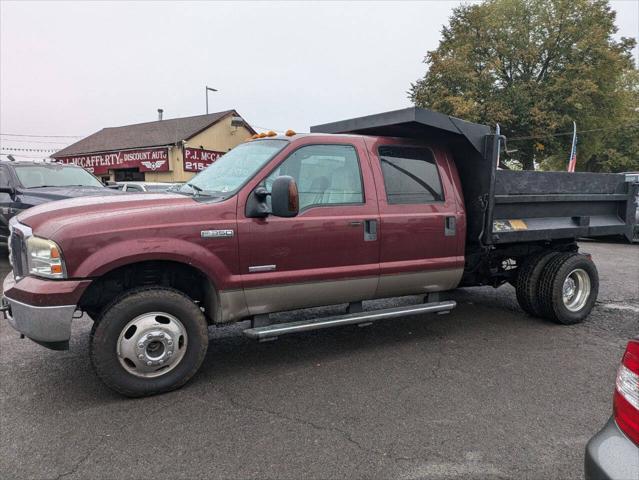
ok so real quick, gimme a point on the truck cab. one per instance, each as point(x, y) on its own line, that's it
point(362, 203)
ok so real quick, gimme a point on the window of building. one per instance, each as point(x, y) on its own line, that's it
point(410, 175)
point(128, 175)
point(325, 175)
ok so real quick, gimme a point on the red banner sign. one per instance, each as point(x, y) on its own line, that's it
point(196, 159)
point(146, 159)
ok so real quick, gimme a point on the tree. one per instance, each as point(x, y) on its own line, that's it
point(534, 66)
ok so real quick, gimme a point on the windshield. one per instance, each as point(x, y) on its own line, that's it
point(234, 169)
point(34, 176)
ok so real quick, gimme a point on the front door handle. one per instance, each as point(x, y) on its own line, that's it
point(370, 230)
point(355, 223)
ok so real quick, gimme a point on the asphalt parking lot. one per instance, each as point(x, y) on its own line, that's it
point(484, 392)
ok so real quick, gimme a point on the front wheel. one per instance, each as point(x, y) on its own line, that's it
point(568, 288)
point(148, 341)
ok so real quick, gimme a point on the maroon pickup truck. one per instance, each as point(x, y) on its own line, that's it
point(402, 203)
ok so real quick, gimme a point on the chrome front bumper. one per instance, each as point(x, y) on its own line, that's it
point(48, 326)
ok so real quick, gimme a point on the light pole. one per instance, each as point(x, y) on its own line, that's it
point(207, 97)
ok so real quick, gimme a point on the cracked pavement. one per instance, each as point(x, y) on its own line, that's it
point(484, 392)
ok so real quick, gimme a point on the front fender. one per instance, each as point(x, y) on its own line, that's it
point(125, 252)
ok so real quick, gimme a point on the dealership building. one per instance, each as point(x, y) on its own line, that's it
point(170, 150)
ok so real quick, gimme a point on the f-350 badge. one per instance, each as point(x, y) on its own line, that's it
point(217, 233)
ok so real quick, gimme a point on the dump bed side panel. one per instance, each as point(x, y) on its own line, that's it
point(536, 206)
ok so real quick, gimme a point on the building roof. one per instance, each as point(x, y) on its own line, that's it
point(142, 135)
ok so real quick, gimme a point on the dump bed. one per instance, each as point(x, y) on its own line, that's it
point(504, 206)
point(532, 206)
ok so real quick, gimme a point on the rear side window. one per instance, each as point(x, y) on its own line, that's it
point(410, 175)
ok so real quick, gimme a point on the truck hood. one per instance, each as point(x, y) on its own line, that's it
point(110, 210)
point(36, 196)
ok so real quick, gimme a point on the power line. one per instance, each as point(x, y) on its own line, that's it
point(532, 137)
point(34, 141)
point(29, 149)
point(23, 155)
point(40, 136)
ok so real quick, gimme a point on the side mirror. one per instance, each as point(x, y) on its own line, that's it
point(285, 200)
point(7, 189)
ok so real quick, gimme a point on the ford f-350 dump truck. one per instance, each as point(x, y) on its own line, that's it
point(401, 203)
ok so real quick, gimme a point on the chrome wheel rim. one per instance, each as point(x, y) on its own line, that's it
point(152, 344)
point(576, 290)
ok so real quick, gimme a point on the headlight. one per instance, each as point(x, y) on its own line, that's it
point(45, 258)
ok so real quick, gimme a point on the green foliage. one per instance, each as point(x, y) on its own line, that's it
point(534, 66)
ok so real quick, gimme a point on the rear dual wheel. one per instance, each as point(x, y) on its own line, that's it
point(561, 287)
point(527, 283)
point(568, 288)
point(148, 341)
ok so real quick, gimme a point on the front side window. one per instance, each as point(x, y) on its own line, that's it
point(410, 175)
point(325, 175)
point(234, 169)
point(54, 175)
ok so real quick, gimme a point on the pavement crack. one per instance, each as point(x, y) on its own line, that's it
point(343, 433)
point(82, 460)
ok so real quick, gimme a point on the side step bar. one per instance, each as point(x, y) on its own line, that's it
point(270, 332)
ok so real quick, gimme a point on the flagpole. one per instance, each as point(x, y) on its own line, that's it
point(572, 161)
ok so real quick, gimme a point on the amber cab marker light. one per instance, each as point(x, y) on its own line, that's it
point(289, 133)
point(271, 133)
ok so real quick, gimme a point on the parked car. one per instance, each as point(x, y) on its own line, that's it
point(413, 205)
point(634, 177)
point(613, 453)
point(145, 186)
point(25, 184)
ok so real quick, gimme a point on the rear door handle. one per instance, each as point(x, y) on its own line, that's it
point(370, 230)
point(450, 227)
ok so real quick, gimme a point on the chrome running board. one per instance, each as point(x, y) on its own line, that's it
point(270, 332)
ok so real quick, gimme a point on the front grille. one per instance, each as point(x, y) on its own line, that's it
point(18, 253)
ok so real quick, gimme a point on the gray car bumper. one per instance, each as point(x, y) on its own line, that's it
point(48, 326)
point(611, 455)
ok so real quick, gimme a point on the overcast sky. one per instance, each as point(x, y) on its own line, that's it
point(74, 68)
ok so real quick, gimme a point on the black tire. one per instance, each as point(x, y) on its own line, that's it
point(551, 288)
point(527, 282)
point(116, 316)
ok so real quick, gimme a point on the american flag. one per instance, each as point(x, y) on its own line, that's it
point(572, 163)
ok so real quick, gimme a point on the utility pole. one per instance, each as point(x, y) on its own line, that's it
point(206, 91)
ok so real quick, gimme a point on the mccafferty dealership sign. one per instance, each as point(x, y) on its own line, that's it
point(146, 159)
point(196, 159)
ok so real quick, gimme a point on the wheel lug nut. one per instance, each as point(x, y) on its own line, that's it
point(149, 363)
point(161, 335)
point(170, 343)
point(140, 356)
point(140, 345)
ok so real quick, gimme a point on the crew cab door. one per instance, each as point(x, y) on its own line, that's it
point(329, 252)
point(422, 223)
